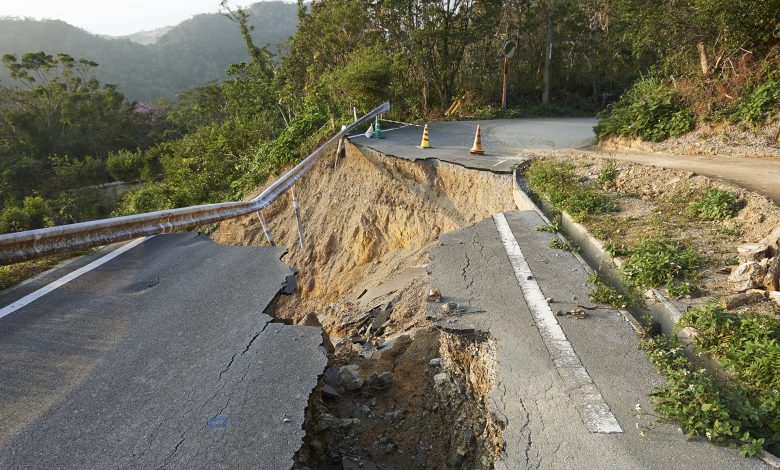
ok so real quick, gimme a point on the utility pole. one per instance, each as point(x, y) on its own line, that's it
point(508, 51)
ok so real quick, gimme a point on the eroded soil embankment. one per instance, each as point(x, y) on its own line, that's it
point(399, 393)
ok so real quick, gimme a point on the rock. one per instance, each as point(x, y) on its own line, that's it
point(358, 340)
point(394, 414)
point(436, 361)
point(744, 298)
point(449, 307)
point(578, 313)
point(380, 380)
point(439, 379)
point(348, 422)
point(775, 295)
point(772, 276)
point(329, 391)
point(383, 445)
point(746, 276)
point(349, 377)
point(753, 251)
point(773, 240)
point(434, 296)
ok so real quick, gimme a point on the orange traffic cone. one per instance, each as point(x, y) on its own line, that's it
point(425, 144)
point(477, 147)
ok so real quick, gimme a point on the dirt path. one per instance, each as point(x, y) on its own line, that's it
point(755, 174)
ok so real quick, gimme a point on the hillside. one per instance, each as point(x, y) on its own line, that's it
point(190, 54)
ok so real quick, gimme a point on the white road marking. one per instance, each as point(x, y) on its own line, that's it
point(593, 409)
point(29, 298)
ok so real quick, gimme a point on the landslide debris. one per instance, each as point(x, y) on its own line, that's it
point(398, 393)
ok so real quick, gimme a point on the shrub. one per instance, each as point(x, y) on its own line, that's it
point(125, 165)
point(761, 103)
point(34, 213)
point(662, 262)
point(559, 183)
point(715, 204)
point(693, 398)
point(649, 110)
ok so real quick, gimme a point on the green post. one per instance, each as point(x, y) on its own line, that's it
point(377, 129)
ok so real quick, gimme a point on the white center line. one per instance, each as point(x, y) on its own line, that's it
point(595, 412)
point(29, 298)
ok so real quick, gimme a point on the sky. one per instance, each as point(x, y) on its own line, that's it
point(113, 17)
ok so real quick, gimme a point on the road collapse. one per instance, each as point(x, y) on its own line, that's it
point(398, 392)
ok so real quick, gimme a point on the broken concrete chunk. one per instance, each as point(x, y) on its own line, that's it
point(744, 298)
point(753, 251)
point(349, 377)
point(772, 276)
point(436, 361)
point(746, 276)
point(449, 307)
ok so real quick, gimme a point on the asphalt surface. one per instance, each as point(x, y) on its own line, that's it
point(505, 142)
point(540, 407)
point(160, 358)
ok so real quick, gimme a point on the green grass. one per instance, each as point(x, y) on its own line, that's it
point(16, 273)
point(602, 293)
point(559, 184)
point(702, 406)
point(657, 262)
point(559, 244)
point(608, 174)
point(715, 204)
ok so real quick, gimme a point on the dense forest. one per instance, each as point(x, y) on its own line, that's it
point(188, 55)
point(63, 131)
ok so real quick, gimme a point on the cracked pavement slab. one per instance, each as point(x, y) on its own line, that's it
point(161, 358)
point(506, 141)
point(536, 407)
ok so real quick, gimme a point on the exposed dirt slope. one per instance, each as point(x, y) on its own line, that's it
point(398, 393)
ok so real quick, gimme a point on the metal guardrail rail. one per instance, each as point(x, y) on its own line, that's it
point(21, 246)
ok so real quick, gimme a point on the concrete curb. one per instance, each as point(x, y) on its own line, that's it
point(596, 259)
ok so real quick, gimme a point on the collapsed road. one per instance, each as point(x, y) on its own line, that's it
point(422, 332)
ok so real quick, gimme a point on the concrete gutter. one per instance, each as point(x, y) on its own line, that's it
point(657, 306)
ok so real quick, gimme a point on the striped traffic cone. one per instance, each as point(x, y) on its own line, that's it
point(425, 144)
point(477, 147)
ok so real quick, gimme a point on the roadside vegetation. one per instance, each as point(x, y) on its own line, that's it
point(675, 240)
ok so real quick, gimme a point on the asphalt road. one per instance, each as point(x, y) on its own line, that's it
point(506, 142)
point(160, 358)
point(558, 410)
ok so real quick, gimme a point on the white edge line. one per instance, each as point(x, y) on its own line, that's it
point(29, 298)
point(594, 411)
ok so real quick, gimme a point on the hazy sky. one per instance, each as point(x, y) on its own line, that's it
point(113, 17)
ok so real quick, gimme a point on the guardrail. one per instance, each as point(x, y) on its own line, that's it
point(21, 246)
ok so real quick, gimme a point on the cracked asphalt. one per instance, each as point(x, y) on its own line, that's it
point(173, 364)
point(537, 407)
point(505, 141)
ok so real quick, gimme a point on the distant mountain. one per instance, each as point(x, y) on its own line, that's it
point(147, 37)
point(189, 54)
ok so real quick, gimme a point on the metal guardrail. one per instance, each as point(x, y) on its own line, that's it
point(31, 244)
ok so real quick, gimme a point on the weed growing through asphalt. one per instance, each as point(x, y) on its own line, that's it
point(658, 262)
point(602, 293)
point(558, 182)
point(553, 227)
point(715, 204)
point(564, 245)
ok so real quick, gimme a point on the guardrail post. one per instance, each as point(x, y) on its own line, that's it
point(340, 149)
point(297, 209)
point(266, 230)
